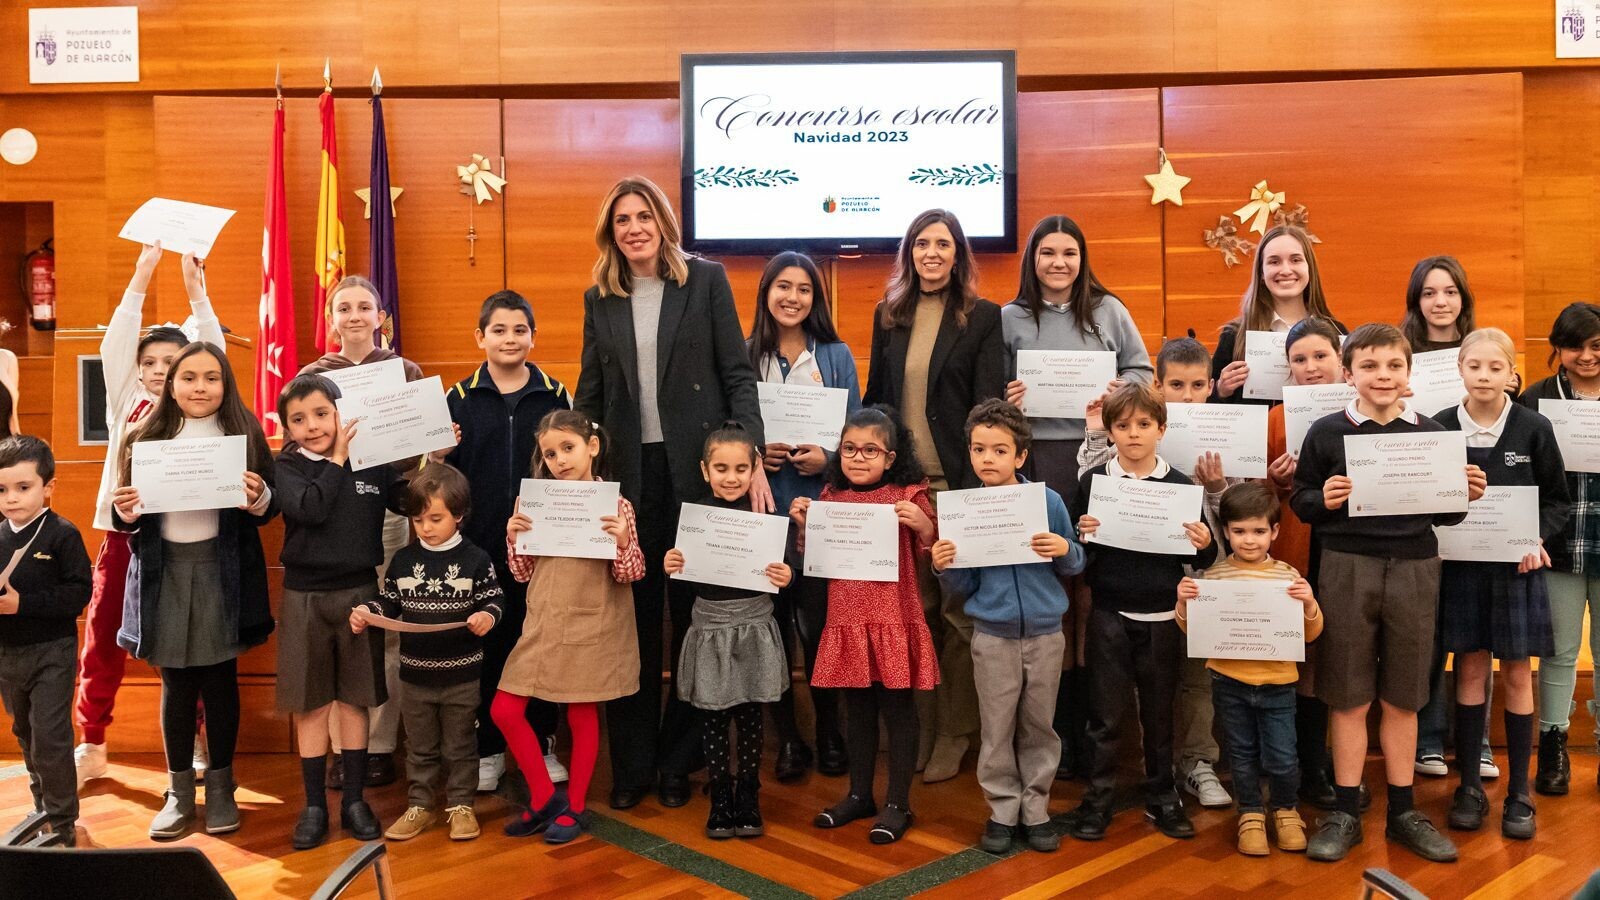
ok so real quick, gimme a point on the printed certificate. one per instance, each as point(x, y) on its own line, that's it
point(1435, 382)
point(1235, 431)
point(1062, 383)
point(858, 541)
point(387, 375)
point(566, 518)
point(398, 424)
point(1147, 516)
point(1303, 405)
point(1247, 619)
point(1577, 427)
point(730, 547)
point(1406, 474)
point(796, 414)
point(1501, 526)
point(189, 473)
point(993, 526)
point(1266, 354)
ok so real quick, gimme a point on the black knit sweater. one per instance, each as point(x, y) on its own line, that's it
point(1132, 581)
point(333, 520)
point(433, 587)
point(52, 580)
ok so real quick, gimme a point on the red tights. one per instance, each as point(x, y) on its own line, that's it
point(583, 720)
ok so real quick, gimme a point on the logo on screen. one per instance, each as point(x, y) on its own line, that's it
point(830, 205)
point(45, 47)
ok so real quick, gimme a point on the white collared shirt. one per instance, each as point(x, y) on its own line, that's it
point(802, 370)
point(1279, 324)
point(314, 457)
point(1115, 470)
point(455, 540)
point(16, 529)
point(1479, 436)
point(1358, 417)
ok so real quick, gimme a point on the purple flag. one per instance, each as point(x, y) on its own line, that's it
point(382, 269)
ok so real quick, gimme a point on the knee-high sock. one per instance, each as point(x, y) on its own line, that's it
point(1519, 747)
point(1469, 741)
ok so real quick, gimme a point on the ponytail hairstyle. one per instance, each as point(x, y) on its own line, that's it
point(906, 469)
point(1255, 307)
point(166, 419)
point(1415, 325)
point(731, 431)
point(579, 424)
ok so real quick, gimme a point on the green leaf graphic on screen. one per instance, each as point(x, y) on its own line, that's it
point(977, 173)
point(742, 177)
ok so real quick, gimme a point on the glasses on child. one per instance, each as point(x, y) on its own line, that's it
point(867, 452)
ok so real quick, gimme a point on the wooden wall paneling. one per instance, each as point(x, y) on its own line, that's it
point(186, 46)
point(437, 286)
point(1391, 171)
point(1561, 134)
point(561, 158)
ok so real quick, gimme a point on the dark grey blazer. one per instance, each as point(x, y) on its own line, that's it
point(703, 375)
point(968, 365)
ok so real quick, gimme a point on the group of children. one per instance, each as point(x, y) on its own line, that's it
point(194, 597)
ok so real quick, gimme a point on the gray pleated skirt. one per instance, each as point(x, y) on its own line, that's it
point(190, 627)
point(732, 654)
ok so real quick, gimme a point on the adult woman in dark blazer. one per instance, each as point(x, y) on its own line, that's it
point(664, 363)
point(937, 351)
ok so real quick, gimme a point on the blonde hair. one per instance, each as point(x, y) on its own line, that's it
point(1494, 337)
point(611, 273)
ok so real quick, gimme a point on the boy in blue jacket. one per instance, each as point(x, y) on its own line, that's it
point(1017, 641)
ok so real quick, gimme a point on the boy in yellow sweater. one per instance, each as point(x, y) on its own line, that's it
point(1254, 699)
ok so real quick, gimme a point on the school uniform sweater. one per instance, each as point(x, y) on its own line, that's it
point(1386, 537)
point(1131, 581)
point(51, 581)
point(1111, 328)
point(333, 520)
point(431, 586)
point(1526, 455)
point(1023, 600)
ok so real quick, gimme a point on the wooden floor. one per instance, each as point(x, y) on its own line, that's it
point(654, 852)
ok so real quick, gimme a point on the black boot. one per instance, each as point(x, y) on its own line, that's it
point(747, 807)
point(721, 821)
point(1555, 767)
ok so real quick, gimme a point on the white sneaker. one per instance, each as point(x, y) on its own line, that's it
point(202, 757)
point(1431, 764)
point(490, 768)
point(1487, 768)
point(557, 771)
point(1202, 782)
point(91, 762)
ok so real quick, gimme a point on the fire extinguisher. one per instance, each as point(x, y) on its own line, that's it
point(39, 283)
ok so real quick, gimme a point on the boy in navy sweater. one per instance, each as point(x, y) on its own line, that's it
point(1134, 646)
point(332, 542)
point(1017, 642)
point(44, 585)
point(1379, 584)
point(498, 409)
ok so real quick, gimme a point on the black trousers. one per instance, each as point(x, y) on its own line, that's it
point(1126, 656)
point(643, 739)
point(497, 646)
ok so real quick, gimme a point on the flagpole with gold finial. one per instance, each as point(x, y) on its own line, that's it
point(327, 75)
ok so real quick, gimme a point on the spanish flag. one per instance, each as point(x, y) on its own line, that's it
point(329, 255)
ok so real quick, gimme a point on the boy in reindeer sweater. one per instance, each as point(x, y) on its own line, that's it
point(442, 579)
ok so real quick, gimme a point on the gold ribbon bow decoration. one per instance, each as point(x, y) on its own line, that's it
point(1299, 217)
point(1225, 240)
point(1263, 203)
point(477, 178)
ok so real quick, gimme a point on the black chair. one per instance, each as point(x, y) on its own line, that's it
point(1384, 883)
point(31, 866)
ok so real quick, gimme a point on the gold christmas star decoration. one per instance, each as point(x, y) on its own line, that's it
point(1166, 184)
point(366, 197)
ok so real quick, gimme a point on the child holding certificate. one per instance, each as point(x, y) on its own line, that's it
point(1312, 346)
point(1379, 582)
point(1017, 642)
point(1182, 376)
point(44, 585)
point(733, 659)
point(446, 584)
point(196, 596)
point(333, 540)
point(135, 370)
point(1133, 645)
point(1500, 608)
point(579, 644)
point(877, 647)
point(1574, 575)
point(1255, 699)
